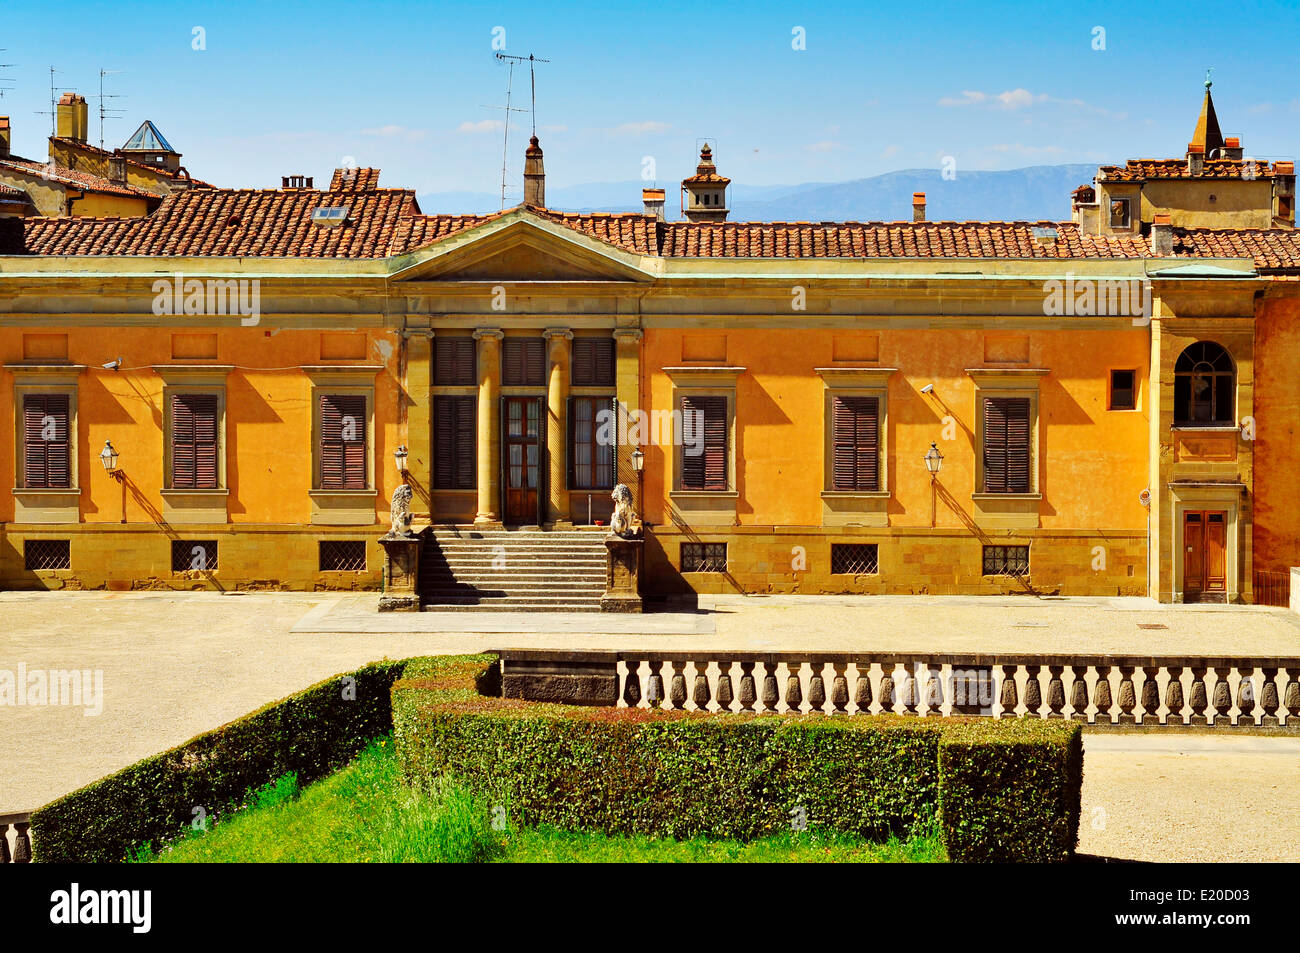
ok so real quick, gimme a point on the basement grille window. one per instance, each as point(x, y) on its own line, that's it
point(854, 559)
point(41, 554)
point(194, 555)
point(342, 555)
point(1006, 560)
point(704, 557)
point(329, 217)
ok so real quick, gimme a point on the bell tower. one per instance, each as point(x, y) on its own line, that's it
point(705, 193)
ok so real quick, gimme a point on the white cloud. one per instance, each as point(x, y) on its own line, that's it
point(968, 97)
point(1019, 98)
point(1013, 99)
point(641, 128)
point(1019, 149)
point(826, 145)
point(483, 125)
point(392, 131)
point(890, 151)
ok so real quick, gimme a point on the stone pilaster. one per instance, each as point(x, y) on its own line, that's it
point(489, 424)
point(627, 388)
point(419, 424)
point(560, 345)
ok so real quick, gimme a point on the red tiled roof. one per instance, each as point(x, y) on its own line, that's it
point(1136, 170)
point(1273, 249)
point(165, 173)
point(354, 180)
point(10, 192)
point(75, 178)
point(233, 222)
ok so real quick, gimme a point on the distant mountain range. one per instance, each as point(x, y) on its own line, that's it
point(1030, 194)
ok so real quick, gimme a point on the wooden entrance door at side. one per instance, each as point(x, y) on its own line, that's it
point(522, 459)
point(1205, 562)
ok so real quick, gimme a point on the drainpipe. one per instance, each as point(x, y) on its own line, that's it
point(68, 200)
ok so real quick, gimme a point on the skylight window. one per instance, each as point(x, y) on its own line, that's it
point(330, 216)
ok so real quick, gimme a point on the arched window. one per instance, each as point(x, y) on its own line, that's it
point(1204, 386)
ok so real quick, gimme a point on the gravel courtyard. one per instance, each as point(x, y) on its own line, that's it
point(177, 664)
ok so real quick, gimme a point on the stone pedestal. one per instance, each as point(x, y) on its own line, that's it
point(623, 577)
point(401, 573)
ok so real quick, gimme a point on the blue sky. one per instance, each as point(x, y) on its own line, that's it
point(298, 87)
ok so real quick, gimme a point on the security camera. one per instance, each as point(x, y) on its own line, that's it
point(113, 365)
point(927, 388)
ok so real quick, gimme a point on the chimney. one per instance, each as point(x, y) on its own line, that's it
point(654, 199)
point(296, 182)
point(1284, 193)
point(534, 175)
point(72, 117)
point(1232, 148)
point(117, 168)
point(1162, 235)
point(918, 206)
point(5, 134)
point(1195, 159)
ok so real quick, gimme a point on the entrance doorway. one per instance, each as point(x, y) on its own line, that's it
point(1205, 556)
point(522, 458)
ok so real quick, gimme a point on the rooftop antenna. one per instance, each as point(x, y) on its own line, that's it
point(531, 60)
point(107, 113)
point(53, 102)
point(5, 79)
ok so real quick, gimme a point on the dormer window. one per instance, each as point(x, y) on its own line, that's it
point(330, 216)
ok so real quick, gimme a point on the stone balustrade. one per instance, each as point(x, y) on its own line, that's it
point(15, 842)
point(1097, 690)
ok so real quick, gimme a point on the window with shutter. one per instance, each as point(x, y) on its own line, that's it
point(1006, 445)
point(523, 362)
point(194, 441)
point(45, 441)
point(855, 439)
point(593, 362)
point(707, 468)
point(591, 458)
point(454, 364)
point(343, 442)
point(454, 454)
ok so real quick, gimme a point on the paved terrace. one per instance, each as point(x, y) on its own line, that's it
point(177, 664)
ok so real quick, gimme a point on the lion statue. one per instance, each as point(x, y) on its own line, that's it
point(622, 523)
point(401, 512)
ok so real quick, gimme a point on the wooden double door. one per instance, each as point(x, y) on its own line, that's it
point(1205, 556)
point(523, 459)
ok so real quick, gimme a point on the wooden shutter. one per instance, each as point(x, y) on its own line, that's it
point(45, 454)
point(342, 448)
point(855, 438)
point(571, 444)
point(593, 362)
point(1006, 445)
point(706, 470)
point(194, 441)
point(466, 443)
point(454, 361)
point(523, 362)
point(454, 459)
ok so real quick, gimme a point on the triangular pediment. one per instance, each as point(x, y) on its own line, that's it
point(521, 246)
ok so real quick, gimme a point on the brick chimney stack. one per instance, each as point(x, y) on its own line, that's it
point(534, 175)
point(1162, 235)
point(1195, 158)
point(72, 117)
point(918, 206)
point(654, 200)
point(1232, 148)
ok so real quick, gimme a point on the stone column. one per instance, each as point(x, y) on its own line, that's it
point(560, 345)
point(489, 424)
point(419, 423)
point(627, 384)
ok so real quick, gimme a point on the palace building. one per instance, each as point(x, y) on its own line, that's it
point(218, 392)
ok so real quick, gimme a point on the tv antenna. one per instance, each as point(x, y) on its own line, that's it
point(107, 112)
point(5, 80)
point(510, 61)
point(52, 111)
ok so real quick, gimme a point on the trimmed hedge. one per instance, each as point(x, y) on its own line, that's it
point(997, 790)
point(311, 733)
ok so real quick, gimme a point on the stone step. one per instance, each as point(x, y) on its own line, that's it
point(466, 589)
point(532, 578)
point(513, 600)
point(515, 607)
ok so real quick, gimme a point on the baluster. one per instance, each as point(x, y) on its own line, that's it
point(655, 689)
point(934, 691)
point(701, 693)
point(677, 690)
point(839, 689)
point(1291, 698)
point(886, 687)
point(1269, 700)
point(1008, 699)
point(632, 686)
point(1033, 691)
point(1055, 691)
point(22, 843)
point(1079, 693)
point(1222, 697)
point(4, 843)
point(1174, 697)
point(1246, 696)
point(1101, 696)
point(816, 689)
point(793, 690)
point(1150, 696)
point(724, 685)
point(862, 690)
point(909, 698)
point(770, 693)
point(1200, 697)
point(1127, 696)
point(748, 695)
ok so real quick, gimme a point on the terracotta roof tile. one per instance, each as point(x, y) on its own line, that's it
point(1136, 170)
point(165, 173)
point(352, 179)
point(1272, 249)
point(84, 181)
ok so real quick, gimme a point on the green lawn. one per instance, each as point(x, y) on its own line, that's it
point(366, 813)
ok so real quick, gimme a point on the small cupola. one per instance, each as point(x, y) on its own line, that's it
point(704, 194)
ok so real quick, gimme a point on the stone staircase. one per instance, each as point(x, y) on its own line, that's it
point(463, 569)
